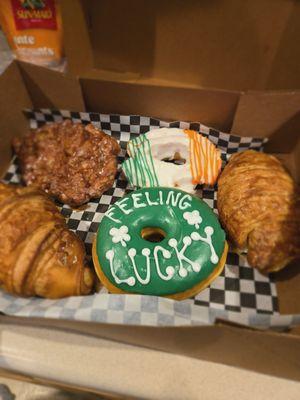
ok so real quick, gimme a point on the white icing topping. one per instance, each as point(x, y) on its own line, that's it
point(131, 281)
point(122, 205)
point(120, 235)
point(169, 270)
point(165, 143)
point(109, 214)
point(148, 153)
point(136, 197)
point(179, 200)
point(160, 193)
point(209, 232)
point(193, 218)
point(150, 203)
point(184, 202)
point(132, 254)
point(172, 199)
point(110, 256)
point(180, 256)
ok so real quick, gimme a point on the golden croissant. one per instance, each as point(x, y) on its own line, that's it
point(259, 207)
point(39, 256)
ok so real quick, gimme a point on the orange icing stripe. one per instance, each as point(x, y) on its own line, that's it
point(192, 156)
point(205, 158)
point(197, 157)
point(215, 154)
point(209, 162)
point(212, 163)
point(208, 169)
point(205, 172)
point(214, 157)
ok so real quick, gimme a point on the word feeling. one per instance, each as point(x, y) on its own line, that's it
point(140, 200)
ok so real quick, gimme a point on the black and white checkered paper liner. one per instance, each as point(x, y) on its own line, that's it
point(240, 294)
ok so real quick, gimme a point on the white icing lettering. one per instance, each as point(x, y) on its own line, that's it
point(136, 198)
point(181, 257)
point(120, 235)
point(146, 253)
point(110, 256)
point(209, 230)
point(122, 205)
point(184, 202)
point(160, 193)
point(170, 197)
point(150, 202)
point(131, 281)
point(169, 270)
point(109, 214)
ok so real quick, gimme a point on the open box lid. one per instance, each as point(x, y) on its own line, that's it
point(221, 44)
point(129, 90)
point(272, 114)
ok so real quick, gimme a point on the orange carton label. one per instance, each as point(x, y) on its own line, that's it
point(30, 14)
point(33, 29)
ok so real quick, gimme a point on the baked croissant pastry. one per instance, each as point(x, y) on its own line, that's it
point(39, 256)
point(259, 207)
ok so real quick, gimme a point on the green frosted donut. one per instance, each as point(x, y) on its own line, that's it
point(159, 241)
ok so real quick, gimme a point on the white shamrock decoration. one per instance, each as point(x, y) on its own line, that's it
point(193, 218)
point(120, 235)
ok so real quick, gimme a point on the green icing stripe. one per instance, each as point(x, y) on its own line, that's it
point(139, 169)
point(137, 180)
point(128, 170)
point(142, 160)
point(139, 157)
point(155, 180)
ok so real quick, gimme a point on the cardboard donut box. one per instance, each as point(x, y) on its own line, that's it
point(233, 65)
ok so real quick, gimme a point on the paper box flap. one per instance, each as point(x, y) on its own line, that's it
point(226, 44)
